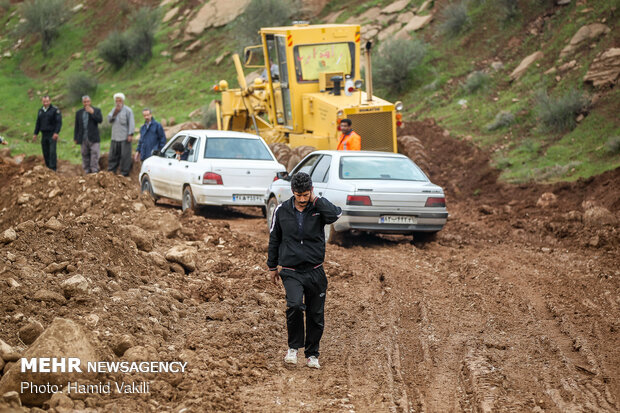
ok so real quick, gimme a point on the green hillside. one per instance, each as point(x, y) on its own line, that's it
point(490, 39)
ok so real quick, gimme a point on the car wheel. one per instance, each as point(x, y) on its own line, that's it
point(331, 235)
point(271, 207)
point(148, 188)
point(188, 201)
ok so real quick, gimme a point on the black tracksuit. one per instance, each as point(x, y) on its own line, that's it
point(48, 123)
point(297, 244)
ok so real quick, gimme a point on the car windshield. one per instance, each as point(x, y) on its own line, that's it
point(380, 168)
point(312, 59)
point(237, 148)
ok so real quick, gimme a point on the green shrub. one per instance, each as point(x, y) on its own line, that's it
point(209, 117)
point(508, 10)
point(558, 114)
point(5, 5)
point(502, 119)
point(78, 85)
point(141, 34)
point(613, 145)
point(264, 13)
point(550, 172)
point(134, 44)
point(475, 81)
point(115, 49)
point(395, 63)
point(454, 19)
point(44, 17)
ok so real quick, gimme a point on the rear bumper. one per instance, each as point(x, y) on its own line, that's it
point(223, 195)
point(364, 220)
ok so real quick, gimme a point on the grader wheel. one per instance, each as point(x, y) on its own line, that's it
point(290, 157)
point(281, 151)
point(411, 147)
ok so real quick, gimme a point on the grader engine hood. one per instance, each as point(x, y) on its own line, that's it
point(374, 121)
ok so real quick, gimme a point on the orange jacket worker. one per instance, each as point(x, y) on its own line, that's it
point(348, 139)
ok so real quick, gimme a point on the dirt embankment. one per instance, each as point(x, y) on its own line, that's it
point(513, 307)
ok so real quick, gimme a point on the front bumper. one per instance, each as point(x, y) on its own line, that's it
point(368, 220)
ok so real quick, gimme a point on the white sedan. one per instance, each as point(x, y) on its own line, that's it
point(377, 191)
point(221, 168)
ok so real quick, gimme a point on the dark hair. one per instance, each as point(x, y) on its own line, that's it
point(178, 147)
point(347, 121)
point(301, 182)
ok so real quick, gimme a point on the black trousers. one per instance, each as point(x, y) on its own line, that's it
point(305, 291)
point(48, 145)
point(120, 154)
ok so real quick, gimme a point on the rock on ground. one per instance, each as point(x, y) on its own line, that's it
point(584, 35)
point(525, 63)
point(605, 69)
point(63, 338)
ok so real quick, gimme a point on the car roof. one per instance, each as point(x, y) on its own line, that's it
point(214, 133)
point(359, 153)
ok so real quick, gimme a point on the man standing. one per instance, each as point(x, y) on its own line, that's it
point(123, 125)
point(348, 139)
point(297, 244)
point(49, 122)
point(152, 136)
point(86, 134)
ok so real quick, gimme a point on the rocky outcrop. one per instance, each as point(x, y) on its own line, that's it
point(525, 63)
point(216, 13)
point(584, 35)
point(605, 69)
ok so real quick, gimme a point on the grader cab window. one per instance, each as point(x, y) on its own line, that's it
point(312, 59)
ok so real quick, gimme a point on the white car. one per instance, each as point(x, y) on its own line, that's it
point(222, 168)
point(378, 192)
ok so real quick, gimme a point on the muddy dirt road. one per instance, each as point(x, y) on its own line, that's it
point(513, 307)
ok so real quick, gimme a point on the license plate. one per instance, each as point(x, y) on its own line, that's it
point(247, 198)
point(396, 219)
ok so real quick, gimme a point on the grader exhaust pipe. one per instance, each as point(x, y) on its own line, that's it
point(368, 73)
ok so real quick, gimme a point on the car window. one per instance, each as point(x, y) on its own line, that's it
point(191, 151)
point(237, 148)
point(381, 168)
point(320, 170)
point(170, 153)
point(307, 164)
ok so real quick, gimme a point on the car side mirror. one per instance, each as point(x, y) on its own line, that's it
point(283, 175)
point(156, 152)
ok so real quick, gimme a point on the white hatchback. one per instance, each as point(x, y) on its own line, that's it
point(222, 168)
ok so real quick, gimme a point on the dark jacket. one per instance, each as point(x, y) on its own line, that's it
point(151, 138)
point(48, 121)
point(303, 250)
point(92, 127)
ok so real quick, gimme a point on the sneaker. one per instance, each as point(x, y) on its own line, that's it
point(291, 356)
point(313, 362)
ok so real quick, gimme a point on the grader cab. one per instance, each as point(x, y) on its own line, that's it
point(310, 80)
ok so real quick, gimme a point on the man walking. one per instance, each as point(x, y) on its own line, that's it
point(297, 244)
point(86, 134)
point(152, 136)
point(49, 123)
point(123, 125)
point(348, 139)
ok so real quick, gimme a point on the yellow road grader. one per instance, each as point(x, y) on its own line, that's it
point(310, 81)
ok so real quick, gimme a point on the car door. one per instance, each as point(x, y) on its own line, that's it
point(166, 176)
point(306, 165)
point(186, 171)
point(319, 175)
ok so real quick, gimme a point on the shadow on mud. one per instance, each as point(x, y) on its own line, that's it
point(369, 239)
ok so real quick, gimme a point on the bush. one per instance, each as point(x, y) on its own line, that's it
point(78, 85)
point(508, 10)
point(454, 19)
point(264, 13)
point(502, 119)
point(115, 49)
point(395, 63)
point(558, 114)
point(44, 17)
point(613, 145)
point(141, 34)
point(475, 81)
point(5, 5)
point(209, 117)
point(133, 45)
